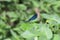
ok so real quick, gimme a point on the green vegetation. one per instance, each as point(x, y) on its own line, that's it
point(14, 13)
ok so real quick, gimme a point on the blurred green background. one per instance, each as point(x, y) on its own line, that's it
point(14, 13)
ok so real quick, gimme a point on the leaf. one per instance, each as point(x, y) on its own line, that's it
point(15, 36)
point(54, 17)
point(15, 0)
point(21, 7)
point(35, 4)
point(56, 37)
point(27, 34)
point(1, 22)
point(42, 37)
point(49, 1)
point(7, 39)
point(3, 16)
point(44, 29)
point(26, 26)
point(6, 0)
point(12, 15)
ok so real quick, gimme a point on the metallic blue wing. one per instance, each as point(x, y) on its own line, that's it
point(33, 17)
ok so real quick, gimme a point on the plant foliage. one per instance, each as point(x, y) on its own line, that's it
point(14, 13)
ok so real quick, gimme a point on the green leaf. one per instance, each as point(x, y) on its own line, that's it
point(54, 17)
point(26, 26)
point(7, 39)
point(56, 37)
point(27, 34)
point(15, 36)
point(35, 4)
point(2, 26)
point(42, 37)
point(3, 16)
point(12, 15)
point(51, 1)
point(21, 7)
point(44, 29)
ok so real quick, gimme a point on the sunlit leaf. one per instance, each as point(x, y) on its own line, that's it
point(56, 37)
point(27, 34)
